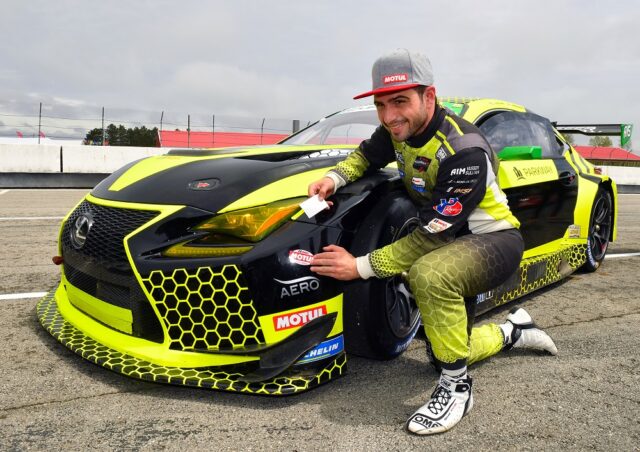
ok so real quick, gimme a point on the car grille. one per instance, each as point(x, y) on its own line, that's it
point(105, 243)
point(100, 267)
point(114, 294)
point(205, 308)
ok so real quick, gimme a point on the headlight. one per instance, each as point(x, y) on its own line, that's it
point(234, 233)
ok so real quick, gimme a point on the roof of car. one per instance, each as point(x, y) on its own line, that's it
point(476, 102)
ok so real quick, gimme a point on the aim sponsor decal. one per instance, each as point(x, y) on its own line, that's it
point(300, 257)
point(449, 207)
point(394, 78)
point(298, 286)
point(323, 350)
point(297, 318)
point(468, 171)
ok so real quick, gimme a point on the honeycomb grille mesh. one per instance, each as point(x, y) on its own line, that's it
point(205, 308)
point(105, 240)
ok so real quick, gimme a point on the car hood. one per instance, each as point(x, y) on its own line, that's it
point(215, 180)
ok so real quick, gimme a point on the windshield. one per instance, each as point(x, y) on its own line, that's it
point(346, 127)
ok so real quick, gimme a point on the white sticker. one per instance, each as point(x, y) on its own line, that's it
point(437, 225)
point(574, 231)
point(300, 257)
point(313, 205)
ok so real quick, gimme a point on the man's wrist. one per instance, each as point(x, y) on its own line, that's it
point(364, 267)
point(337, 180)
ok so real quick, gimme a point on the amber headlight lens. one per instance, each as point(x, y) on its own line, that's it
point(234, 233)
point(255, 223)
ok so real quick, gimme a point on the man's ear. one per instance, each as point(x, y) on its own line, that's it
point(430, 93)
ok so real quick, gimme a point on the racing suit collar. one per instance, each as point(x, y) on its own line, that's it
point(421, 139)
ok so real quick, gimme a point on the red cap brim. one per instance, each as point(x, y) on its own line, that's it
point(387, 90)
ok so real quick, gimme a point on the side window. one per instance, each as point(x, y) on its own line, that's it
point(349, 133)
point(510, 128)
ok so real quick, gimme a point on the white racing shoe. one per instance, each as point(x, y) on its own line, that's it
point(450, 401)
point(521, 332)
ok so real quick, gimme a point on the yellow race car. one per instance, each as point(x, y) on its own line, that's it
point(192, 268)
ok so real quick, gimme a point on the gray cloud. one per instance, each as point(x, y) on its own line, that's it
point(570, 60)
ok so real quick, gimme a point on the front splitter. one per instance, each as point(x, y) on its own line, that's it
point(227, 378)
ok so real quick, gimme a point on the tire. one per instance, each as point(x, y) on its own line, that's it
point(599, 230)
point(380, 315)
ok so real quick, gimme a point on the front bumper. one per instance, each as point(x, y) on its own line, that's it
point(232, 377)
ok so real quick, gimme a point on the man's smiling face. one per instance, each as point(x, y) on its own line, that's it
point(405, 113)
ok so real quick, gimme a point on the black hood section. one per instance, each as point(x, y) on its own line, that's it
point(232, 178)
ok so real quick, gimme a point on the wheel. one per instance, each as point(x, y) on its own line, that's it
point(599, 230)
point(380, 315)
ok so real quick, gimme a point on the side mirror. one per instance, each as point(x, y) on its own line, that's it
point(520, 153)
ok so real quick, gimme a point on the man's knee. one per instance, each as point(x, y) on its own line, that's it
point(425, 279)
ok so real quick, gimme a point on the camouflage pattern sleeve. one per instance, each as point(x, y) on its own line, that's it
point(351, 168)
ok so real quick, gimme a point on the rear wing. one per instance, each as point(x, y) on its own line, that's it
point(617, 130)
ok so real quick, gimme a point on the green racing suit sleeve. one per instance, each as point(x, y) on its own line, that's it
point(460, 186)
point(374, 153)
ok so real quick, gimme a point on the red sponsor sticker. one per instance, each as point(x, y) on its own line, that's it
point(449, 207)
point(298, 318)
point(300, 257)
point(394, 78)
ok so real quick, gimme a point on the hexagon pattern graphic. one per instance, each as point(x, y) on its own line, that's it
point(573, 255)
point(205, 308)
point(228, 378)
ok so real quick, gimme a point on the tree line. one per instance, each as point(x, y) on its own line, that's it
point(142, 136)
point(600, 141)
point(123, 136)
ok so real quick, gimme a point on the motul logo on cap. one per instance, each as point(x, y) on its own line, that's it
point(298, 318)
point(395, 78)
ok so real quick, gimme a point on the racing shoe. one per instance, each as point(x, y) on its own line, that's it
point(450, 401)
point(521, 332)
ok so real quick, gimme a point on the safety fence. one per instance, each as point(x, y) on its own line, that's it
point(60, 122)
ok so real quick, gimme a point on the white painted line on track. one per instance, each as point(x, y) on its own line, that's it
point(613, 256)
point(29, 218)
point(2, 192)
point(18, 296)
point(86, 190)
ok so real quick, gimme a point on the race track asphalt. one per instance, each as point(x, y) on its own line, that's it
point(587, 397)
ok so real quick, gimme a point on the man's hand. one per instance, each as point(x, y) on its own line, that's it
point(323, 188)
point(335, 262)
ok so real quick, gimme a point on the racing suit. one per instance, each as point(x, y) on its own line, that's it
point(468, 240)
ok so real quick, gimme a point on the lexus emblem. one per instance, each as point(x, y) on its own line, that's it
point(80, 230)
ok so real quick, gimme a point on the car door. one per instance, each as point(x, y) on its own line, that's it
point(542, 192)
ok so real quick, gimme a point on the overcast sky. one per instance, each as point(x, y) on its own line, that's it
point(570, 60)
